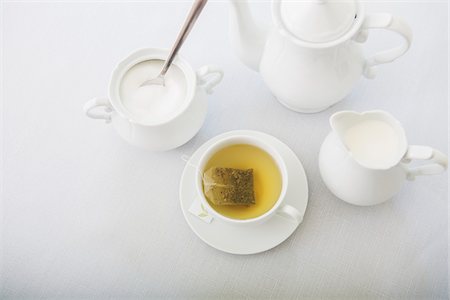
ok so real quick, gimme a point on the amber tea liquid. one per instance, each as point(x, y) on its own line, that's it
point(266, 176)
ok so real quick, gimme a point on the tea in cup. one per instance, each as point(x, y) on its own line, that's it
point(243, 180)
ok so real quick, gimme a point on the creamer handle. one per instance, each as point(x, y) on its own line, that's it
point(214, 72)
point(94, 103)
point(389, 22)
point(438, 161)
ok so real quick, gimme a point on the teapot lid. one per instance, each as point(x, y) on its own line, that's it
point(316, 21)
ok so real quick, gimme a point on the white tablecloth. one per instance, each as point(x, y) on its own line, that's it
point(87, 215)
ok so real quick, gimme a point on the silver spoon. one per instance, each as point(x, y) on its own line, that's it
point(187, 26)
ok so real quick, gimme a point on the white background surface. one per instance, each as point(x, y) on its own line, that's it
point(86, 215)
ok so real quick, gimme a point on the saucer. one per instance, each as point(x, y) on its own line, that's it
point(248, 239)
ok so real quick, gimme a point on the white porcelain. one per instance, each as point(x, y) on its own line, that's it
point(236, 139)
point(311, 75)
point(364, 182)
point(253, 238)
point(163, 135)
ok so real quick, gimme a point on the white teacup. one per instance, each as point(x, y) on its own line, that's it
point(280, 207)
point(156, 134)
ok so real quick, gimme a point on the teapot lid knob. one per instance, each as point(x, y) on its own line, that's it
point(316, 21)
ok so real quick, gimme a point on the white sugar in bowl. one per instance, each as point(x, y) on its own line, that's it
point(156, 117)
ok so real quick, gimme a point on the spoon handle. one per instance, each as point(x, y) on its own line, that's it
point(195, 11)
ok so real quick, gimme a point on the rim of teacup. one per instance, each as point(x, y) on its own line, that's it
point(141, 55)
point(236, 140)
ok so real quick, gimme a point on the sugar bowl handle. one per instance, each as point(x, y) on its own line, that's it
point(215, 75)
point(438, 161)
point(92, 111)
point(389, 22)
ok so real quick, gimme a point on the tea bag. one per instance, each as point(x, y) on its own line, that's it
point(228, 186)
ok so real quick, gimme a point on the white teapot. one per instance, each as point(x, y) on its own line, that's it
point(364, 160)
point(311, 57)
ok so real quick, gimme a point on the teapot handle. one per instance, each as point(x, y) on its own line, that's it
point(389, 22)
point(438, 161)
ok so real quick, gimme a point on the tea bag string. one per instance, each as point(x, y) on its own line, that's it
point(186, 159)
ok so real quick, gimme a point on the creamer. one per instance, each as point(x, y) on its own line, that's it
point(365, 159)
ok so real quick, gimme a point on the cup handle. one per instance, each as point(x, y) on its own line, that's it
point(291, 213)
point(95, 103)
point(214, 72)
point(389, 22)
point(438, 161)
